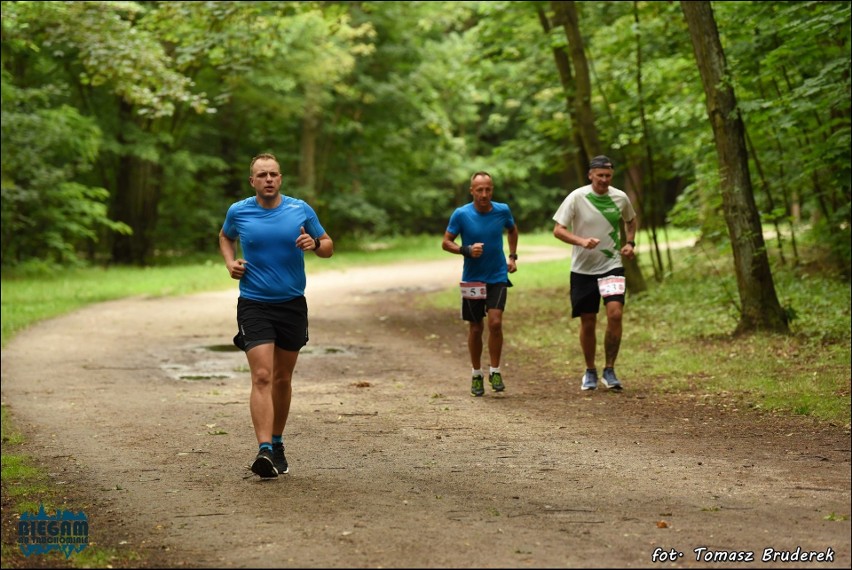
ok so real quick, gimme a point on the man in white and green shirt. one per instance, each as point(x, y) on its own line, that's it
point(590, 220)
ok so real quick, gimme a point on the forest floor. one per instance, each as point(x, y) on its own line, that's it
point(140, 412)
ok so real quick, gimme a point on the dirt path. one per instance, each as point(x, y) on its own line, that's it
point(393, 464)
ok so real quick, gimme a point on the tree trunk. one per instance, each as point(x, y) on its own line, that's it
point(566, 15)
point(654, 214)
point(136, 199)
point(135, 202)
point(563, 66)
point(307, 156)
point(760, 309)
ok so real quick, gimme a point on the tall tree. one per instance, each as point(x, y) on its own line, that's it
point(566, 76)
point(126, 78)
point(760, 309)
point(795, 103)
point(154, 107)
point(565, 14)
point(93, 47)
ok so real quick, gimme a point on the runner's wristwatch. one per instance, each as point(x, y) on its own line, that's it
point(631, 242)
point(513, 256)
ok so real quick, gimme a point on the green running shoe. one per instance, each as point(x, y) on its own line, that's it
point(476, 388)
point(497, 382)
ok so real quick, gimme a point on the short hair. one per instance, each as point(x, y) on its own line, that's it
point(480, 173)
point(261, 156)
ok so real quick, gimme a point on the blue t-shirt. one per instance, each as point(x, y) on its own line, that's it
point(275, 267)
point(475, 227)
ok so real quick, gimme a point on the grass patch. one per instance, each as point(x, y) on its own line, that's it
point(29, 298)
point(678, 335)
point(380, 251)
point(20, 479)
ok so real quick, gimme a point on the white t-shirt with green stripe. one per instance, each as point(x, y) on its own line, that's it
point(587, 214)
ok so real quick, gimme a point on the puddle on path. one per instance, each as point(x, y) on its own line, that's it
point(224, 367)
point(308, 350)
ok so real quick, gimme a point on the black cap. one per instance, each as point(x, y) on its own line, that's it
point(600, 161)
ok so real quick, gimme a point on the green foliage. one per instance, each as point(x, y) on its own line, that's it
point(102, 43)
point(699, 208)
point(524, 125)
point(380, 111)
point(189, 222)
point(46, 214)
point(796, 105)
point(672, 93)
point(836, 235)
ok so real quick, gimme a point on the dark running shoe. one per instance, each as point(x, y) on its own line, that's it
point(496, 380)
point(279, 460)
point(609, 380)
point(263, 465)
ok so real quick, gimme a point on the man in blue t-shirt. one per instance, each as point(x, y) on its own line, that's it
point(274, 232)
point(485, 279)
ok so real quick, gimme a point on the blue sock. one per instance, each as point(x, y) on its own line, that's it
point(265, 445)
point(278, 439)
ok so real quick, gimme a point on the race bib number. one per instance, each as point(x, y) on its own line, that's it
point(612, 285)
point(473, 290)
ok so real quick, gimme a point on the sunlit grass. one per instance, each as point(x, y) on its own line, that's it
point(29, 299)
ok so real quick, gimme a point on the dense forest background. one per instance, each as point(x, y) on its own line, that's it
point(128, 127)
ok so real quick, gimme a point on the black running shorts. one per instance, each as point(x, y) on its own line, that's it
point(474, 310)
point(285, 324)
point(585, 295)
